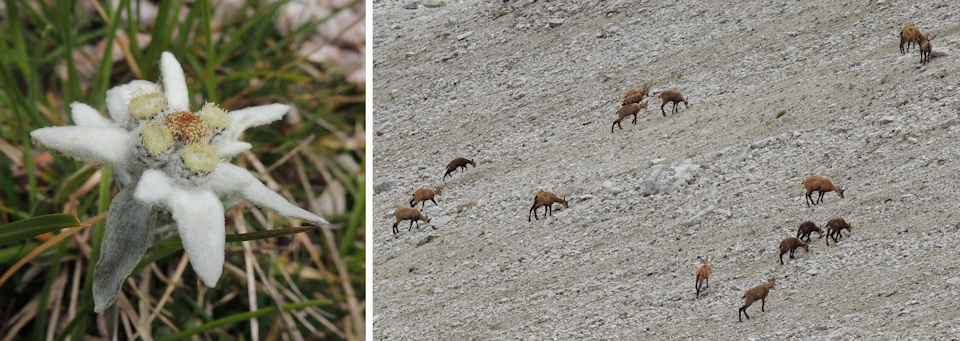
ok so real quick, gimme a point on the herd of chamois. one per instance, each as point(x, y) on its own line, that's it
point(631, 106)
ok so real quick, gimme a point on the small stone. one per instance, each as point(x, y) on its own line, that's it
point(516, 83)
point(887, 119)
point(948, 123)
point(555, 22)
point(433, 3)
point(725, 213)
point(953, 281)
point(465, 35)
point(410, 5)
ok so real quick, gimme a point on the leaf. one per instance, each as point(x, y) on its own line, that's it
point(24, 229)
point(124, 243)
point(236, 238)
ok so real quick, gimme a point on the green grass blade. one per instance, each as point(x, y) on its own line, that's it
point(237, 318)
point(356, 220)
point(27, 228)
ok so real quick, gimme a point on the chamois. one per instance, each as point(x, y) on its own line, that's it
point(758, 293)
point(634, 96)
point(819, 184)
point(637, 91)
point(424, 194)
point(411, 214)
point(703, 275)
point(457, 163)
point(791, 244)
point(806, 228)
point(833, 229)
point(627, 110)
point(925, 49)
point(672, 96)
point(545, 199)
point(908, 35)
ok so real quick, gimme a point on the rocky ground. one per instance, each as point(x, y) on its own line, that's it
point(777, 91)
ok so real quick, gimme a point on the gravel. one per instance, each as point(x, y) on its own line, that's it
point(777, 91)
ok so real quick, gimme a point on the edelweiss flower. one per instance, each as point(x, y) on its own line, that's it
point(180, 157)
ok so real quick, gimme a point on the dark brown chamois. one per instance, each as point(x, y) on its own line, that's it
point(457, 163)
point(806, 228)
point(833, 229)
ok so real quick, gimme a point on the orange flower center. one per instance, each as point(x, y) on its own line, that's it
point(187, 126)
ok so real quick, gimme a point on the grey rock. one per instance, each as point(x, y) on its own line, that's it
point(433, 3)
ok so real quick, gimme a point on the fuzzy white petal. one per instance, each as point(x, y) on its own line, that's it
point(231, 148)
point(154, 186)
point(232, 180)
point(118, 98)
point(174, 82)
point(245, 118)
point(200, 221)
point(86, 116)
point(102, 145)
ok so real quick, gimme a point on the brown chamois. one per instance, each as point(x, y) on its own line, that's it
point(925, 49)
point(703, 275)
point(791, 244)
point(672, 96)
point(411, 214)
point(424, 194)
point(627, 110)
point(833, 229)
point(758, 293)
point(637, 91)
point(806, 228)
point(908, 35)
point(545, 199)
point(457, 163)
point(819, 184)
point(636, 97)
